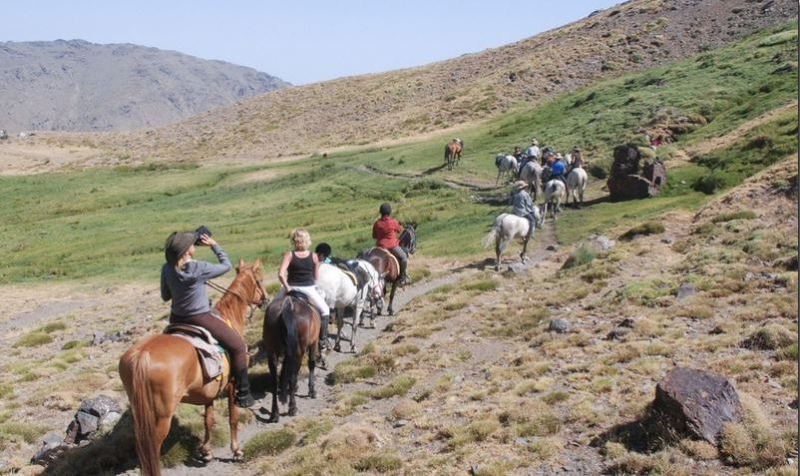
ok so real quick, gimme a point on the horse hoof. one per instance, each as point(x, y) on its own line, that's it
point(312, 394)
point(273, 419)
point(292, 412)
point(337, 348)
point(238, 455)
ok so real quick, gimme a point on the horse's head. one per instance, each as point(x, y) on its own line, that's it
point(408, 238)
point(252, 283)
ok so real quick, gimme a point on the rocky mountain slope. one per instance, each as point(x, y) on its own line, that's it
point(634, 35)
point(80, 86)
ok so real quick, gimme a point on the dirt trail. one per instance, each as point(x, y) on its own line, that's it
point(542, 247)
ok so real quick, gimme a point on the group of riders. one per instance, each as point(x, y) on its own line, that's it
point(183, 282)
point(554, 166)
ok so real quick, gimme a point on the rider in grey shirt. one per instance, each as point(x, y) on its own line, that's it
point(522, 205)
point(186, 285)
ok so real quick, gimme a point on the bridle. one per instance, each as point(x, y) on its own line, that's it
point(262, 301)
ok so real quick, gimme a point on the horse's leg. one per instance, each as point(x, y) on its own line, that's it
point(233, 424)
point(272, 362)
point(356, 320)
point(206, 452)
point(293, 379)
point(339, 324)
point(312, 364)
point(498, 250)
point(391, 297)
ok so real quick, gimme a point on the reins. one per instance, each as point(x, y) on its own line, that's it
point(252, 307)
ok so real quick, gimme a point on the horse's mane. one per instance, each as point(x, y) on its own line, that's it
point(233, 302)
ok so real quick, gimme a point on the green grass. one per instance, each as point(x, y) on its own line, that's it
point(109, 224)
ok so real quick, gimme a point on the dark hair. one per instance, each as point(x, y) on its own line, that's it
point(386, 209)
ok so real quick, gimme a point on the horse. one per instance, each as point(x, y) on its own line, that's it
point(532, 174)
point(452, 153)
point(387, 265)
point(291, 328)
point(576, 185)
point(506, 166)
point(507, 227)
point(163, 370)
point(341, 292)
point(554, 192)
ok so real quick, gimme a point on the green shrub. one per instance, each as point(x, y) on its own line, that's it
point(649, 228)
point(269, 443)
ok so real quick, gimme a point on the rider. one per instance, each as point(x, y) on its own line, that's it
point(530, 154)
point(577, 159)
point(557, 167)
point(323, 252)
point(384, 231)
point(182, 281)
point(522, 205)
point(299, 271)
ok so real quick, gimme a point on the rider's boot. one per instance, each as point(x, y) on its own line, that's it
point(404, 279)
point(244, 398)
point(324, 345)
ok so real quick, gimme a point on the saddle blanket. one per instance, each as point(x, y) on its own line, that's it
point(208, 349)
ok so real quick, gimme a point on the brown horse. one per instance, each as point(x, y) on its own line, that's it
point(163, 370)
point(452, 153)
point(387, 265)
point(291, 328)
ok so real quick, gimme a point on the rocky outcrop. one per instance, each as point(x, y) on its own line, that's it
point(626, 181)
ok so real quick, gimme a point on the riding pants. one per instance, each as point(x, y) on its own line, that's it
point(314, 296)
point(402, 258)
point(229, 338)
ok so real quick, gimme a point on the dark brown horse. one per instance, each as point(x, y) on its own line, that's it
point(163, 370)
point(291, 328)
point(387, 265)
point(452, 153)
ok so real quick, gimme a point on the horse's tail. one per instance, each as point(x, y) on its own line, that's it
point(491, 237)
point(143, 409)
point(288, 331)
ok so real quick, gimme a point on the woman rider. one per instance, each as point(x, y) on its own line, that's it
point(183, 281)
point(299, 271)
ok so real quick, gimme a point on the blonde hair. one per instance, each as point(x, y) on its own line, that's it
point(300, 239)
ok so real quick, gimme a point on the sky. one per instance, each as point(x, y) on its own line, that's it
point(299, 41)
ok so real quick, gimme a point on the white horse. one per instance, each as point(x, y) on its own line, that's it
point(576, 184)
point(554, 193)
point(341, 293)
point(507, 227)
point(532, 174)
point(507, 166)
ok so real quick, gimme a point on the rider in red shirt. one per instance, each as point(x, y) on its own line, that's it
point(385, 230)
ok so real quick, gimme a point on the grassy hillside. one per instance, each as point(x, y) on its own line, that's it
point(108, 223)
point(466, 378)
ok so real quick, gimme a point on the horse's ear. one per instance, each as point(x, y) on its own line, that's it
point(240, 265)
point(257, 264)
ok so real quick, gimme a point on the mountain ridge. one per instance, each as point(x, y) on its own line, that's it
point(76, 85)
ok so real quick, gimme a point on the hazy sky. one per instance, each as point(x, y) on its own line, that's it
point(298, 41)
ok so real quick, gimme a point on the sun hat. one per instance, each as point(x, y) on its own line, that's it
point(520, 184)
point(177, 244)
point(534, 141)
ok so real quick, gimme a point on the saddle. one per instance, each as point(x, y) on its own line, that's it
point(349, 268)
point(395, 265)
point(209, 350)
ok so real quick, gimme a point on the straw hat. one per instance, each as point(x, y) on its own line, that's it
point(520, 184)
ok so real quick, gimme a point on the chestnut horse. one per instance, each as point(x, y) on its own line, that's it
point(387, 265)
point(452, 153)
point(163, 370)
point(291, 328)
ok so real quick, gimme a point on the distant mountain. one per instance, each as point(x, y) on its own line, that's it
point(80, 86)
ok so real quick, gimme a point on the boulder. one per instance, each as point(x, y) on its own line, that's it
point(697, 402)
point(626, 181)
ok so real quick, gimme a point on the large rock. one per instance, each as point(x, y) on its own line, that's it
point(627, 182)
point(697, 402)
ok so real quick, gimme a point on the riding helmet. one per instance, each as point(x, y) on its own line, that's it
point(386, 209)
point(323, 249)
